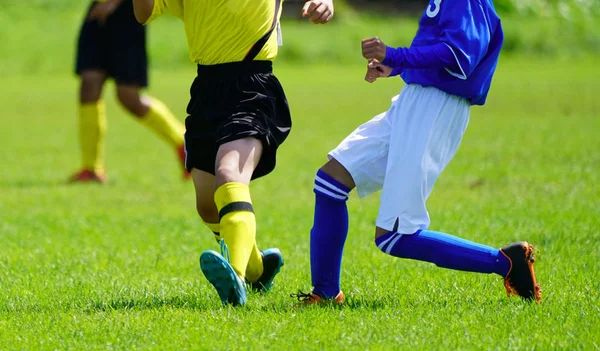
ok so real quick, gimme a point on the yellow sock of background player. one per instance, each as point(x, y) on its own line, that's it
point(255, 263)
point(162, 122)
point(238, 228)
point(92, 130)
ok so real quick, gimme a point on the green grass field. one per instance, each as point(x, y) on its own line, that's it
point(115, 267)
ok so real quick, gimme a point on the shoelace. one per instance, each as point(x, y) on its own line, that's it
point(224, 250)
point(529, 254)
point(510, 289)
point(302, 296)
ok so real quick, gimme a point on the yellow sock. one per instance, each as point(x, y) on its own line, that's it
point(92, 129)
point(255, 264)
point(238, 227)
point(162, 122)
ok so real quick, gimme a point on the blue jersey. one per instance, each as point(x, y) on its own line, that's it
point(472, 31)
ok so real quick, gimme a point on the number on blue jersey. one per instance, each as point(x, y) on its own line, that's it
point(434, 8)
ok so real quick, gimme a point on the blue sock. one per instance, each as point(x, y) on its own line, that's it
point(328, 235)
point(445, 251)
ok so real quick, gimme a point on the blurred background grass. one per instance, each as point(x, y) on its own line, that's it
point(39, 36)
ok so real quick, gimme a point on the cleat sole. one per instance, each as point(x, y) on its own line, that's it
point(224, 279)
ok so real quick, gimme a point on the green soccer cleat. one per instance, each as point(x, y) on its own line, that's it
point(272, 262)
point(221, 275)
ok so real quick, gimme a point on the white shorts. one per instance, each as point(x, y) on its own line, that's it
point(403, 151)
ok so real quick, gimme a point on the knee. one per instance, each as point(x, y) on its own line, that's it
point(236, 160)
point(331, 183)
point(337, 171)
point(379, 232)
point(132, 102)
point(385, 240)
point(90, 89)
point(226, 173)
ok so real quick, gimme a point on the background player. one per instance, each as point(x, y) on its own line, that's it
point(238, 117)
point(113, 45)
point(448, 67)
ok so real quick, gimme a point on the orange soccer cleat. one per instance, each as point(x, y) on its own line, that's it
point(314, 299)
point(520, 279)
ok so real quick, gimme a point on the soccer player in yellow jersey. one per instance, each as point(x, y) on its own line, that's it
point(112, 44)
point(237, 117)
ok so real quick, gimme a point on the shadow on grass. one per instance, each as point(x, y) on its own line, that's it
point(50, 183)
point(351, 303)
point(367, 304)
point(193, 303)
point(151, 303)
point(32, 183)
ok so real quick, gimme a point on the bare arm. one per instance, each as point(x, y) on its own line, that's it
point(143, 10)
point(103, 10)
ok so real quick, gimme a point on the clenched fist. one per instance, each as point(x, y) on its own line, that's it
point(373, 48)
point(376, 70)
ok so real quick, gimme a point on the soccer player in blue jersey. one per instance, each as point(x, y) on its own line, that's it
point(448, 67)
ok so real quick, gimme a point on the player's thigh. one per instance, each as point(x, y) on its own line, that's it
point(204, 185)
point(236, 108)
point(255, 108)
point(236, 160)
point(426, 131)
point(363, 154)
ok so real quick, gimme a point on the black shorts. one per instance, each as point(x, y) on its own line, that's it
point(117, 48)
point(233, 101)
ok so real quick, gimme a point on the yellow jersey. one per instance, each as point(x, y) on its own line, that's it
point(221, 31)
